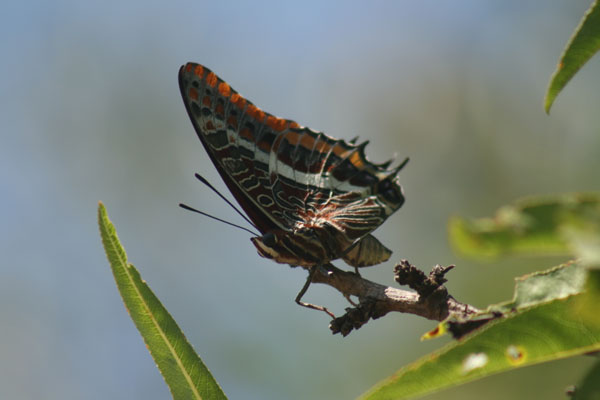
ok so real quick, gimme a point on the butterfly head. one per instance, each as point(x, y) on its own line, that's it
point(390, 191)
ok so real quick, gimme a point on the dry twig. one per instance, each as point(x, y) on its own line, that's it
point(429, 300)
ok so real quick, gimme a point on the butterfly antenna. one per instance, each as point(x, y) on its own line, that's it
point(203, 180)
point(186, 207)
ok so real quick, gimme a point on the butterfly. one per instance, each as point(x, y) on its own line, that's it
point(313, 198)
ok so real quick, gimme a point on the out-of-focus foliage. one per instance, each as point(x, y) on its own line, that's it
point(562, 224)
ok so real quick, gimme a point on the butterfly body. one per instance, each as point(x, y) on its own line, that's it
point(314, 198)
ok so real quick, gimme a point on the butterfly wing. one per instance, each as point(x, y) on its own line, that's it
point(285, 176)
point(238, 137)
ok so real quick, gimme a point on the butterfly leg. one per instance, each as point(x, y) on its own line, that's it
point(347, 297)
point(311, 272)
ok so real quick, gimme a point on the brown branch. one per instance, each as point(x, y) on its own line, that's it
point(430, 300)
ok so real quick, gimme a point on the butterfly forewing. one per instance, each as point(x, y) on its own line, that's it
point(237, 139)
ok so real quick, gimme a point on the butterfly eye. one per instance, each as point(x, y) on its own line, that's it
point(390, 191)
point(269, 239)
point(384, 185)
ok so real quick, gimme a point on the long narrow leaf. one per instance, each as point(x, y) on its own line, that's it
point(183, 370)
point(584, 43)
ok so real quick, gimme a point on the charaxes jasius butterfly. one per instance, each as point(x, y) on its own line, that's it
point(313, 198)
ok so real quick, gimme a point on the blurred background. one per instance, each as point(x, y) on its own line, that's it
point(90, 110)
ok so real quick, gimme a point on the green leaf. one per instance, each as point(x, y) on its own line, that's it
point(584, 43)
point(561, 224)
point(589, 304)
point(530, 290)
point(551, 329)
point(582, 232)
point(544, 286)
point(183, 370)
point(589, 388)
